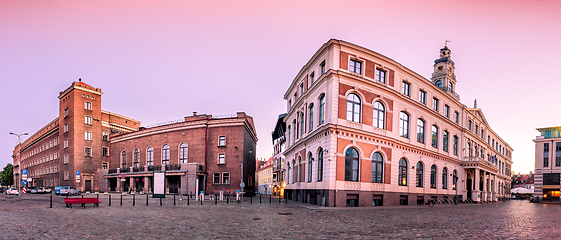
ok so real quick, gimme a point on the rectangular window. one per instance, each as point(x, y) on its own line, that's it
point(302, 89)
point(105, 152)
point(56, 141)
point(445, 141)
point(312, 77)
point(551, 179)
point(380, 75)
point(87, 136)
point(65, 143)
point(476, 129)
point(216, 178)
point(87, 152)
point(322, 66)
point(104, 165)
point(55, 155)
point(355, 66)
point(405, 88)
point(435, 104)
point(221, 158)
point(105, 136)
point(56, 168)
point(469, 125)
point(88, 106)
point(66, 128)
point(457, 117)
point(66, 112)
point(289, 104)
point(225, 178)
point(66, 176)
point(447, 111)
point(88, 120)
point(222, 141)
point(422, 97)
point(545, 161)
point(66, 159)
point(311, 119)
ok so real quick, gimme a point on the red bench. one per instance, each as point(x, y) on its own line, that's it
point(83, 201)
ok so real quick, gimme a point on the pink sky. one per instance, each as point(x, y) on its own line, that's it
point(158, 61)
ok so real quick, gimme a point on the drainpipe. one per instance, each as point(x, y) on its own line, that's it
point(206, 154)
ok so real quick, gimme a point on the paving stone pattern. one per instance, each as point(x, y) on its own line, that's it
point(510, 220)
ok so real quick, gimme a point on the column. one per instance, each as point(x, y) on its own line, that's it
point(146, 179)
point(476, 193)
point(118, 189)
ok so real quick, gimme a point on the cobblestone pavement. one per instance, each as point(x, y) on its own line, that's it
point(514, 220)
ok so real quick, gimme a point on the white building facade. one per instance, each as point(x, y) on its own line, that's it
point(363, 130)
point(547, 179)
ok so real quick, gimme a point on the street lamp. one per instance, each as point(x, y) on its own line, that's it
point(19, 158)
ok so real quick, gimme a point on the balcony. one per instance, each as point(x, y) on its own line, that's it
point(113, 171)
point(125, 169)
point(478, 160)
point(170, 167)
point(137, 169)
point(154, 168)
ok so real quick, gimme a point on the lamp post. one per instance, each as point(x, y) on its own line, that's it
point(19, 158)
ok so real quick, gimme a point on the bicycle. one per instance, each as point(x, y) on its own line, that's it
point(429, 202)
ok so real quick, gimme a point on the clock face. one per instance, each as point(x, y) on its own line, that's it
point(439, 68)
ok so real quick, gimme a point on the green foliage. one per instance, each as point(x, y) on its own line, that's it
point(7, 175)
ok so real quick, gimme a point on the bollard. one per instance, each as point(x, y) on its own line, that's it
point(133, 200)
point(82, 196)
point(121, 200)
point(97, 196)
point(285, 198)
point(259, 198)
point(160, 201)
point(251, 200)
point(279, 198)
point(173, 199)
point(189, 197)
point(146, 199)
point(51, 201)
point(215, 200)
point(110, 200)
point(269, 199)
point(227, 199)
point(202, 201)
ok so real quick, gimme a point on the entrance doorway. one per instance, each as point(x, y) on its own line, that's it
point(88, 185)
point(469, 188)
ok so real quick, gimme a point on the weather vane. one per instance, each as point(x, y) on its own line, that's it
point(446, 42)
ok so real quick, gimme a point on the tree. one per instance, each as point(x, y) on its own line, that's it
point(7, 175)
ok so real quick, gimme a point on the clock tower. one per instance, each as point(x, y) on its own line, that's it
point(443, 74)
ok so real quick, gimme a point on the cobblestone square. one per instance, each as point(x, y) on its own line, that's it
point(292, 220)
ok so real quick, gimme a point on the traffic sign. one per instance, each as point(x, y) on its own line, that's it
point(77, 172)
point(77, 176)
point(24, 171)
point(242, 184)
point(24, 182)
point(122, 175)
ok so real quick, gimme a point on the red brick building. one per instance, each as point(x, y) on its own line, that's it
point(199, 153)
point(75, 142)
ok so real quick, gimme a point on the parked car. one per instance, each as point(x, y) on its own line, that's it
point(2, 189)
point(57, 189)
point(45, 190)
point(68, 190)
point(34, 190)
point(11, 191)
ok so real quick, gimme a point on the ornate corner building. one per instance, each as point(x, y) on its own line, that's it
point(363, 130)
point(547, 178)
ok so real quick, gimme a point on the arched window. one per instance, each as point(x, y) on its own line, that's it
point(419, 180)
point(469, 150)
point(288, 173)
point(183, 153)
point(288, 139)
point(454, 179)
point(136, 158)
point(438, 84)
point(311, 118)
point(293, 171)
point(420, 130)
point(377, 167)
point(310, 158)
point(123, 159)
point(351, 165)
point(299, 169)
point(295, 131)
point(321, 109)
point(434, 142)
point(379, 115)
point(433, 176)
point(402, 174)
point(353, 108)
point(165, 155)
point(320, 165)
point(150, 156)
point(445, 140)
point(301, 124)
point(404, 124)
point(444, 178)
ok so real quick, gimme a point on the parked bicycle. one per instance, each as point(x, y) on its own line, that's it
point(429, 202)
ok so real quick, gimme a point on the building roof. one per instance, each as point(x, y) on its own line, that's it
point(280, 128)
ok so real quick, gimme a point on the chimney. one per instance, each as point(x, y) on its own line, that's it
point(194, 113)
